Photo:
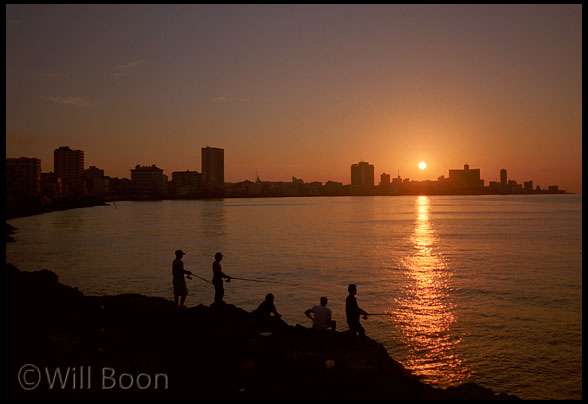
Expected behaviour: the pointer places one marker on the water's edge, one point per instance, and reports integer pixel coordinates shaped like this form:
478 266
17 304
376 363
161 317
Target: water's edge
59 326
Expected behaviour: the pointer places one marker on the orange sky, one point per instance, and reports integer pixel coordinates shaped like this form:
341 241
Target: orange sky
300 90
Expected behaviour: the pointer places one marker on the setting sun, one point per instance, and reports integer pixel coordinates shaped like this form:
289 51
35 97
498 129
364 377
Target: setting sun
422 165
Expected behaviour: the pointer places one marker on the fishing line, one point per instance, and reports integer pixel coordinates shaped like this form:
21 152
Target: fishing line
264 281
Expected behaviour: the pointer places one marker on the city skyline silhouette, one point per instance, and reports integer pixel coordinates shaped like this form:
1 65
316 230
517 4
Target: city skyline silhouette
303 90
30 190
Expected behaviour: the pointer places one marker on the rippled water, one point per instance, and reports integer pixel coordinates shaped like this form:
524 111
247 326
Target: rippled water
477 288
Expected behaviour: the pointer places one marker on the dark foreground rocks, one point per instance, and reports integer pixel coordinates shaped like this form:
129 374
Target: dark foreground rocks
9 230
61 344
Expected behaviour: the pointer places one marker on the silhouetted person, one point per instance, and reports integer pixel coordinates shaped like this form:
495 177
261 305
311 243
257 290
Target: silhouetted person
267 307
353 311
263 314
217 278
322 316
178 272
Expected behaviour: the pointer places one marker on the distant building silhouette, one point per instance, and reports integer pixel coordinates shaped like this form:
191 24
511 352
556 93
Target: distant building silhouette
528 187
68 165
95 184
213 170
185 183
362 177
334 188
495 187
513 187
503 180
119 188
466 180
51 187
148 182
23 178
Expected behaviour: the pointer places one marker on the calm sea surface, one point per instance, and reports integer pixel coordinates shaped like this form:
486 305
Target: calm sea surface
479 288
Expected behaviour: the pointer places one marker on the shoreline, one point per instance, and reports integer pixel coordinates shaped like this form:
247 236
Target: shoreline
217 351
14 213
26 211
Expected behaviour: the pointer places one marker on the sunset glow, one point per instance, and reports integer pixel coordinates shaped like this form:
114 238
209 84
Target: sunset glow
425 310
429 154
300 90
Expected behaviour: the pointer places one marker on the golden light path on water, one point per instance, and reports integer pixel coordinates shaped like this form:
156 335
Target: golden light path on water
424 310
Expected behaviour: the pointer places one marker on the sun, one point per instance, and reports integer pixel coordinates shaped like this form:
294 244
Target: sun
422 165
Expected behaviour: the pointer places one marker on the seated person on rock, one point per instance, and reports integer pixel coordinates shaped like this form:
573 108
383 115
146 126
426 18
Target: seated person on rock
263 314
322 316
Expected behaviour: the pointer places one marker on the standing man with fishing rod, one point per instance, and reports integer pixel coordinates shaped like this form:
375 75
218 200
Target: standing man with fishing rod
353 311
179 283
217 278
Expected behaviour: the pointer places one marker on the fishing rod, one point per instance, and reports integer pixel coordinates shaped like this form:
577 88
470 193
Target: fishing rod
260 280
242 279
379 314
199 277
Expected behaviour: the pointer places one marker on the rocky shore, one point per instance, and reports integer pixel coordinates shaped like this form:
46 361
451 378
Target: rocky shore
61 344
9 230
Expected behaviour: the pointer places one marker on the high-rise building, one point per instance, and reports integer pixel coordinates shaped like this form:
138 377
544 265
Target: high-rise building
68 165
23 178
503 180
362 178
362 174
213 169
466 179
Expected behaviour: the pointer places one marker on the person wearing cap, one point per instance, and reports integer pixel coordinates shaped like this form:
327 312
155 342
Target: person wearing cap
178 272
217 278
353 312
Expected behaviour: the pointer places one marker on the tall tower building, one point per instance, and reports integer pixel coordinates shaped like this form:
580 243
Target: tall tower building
362 178
362 174
503 180
213 169
68 165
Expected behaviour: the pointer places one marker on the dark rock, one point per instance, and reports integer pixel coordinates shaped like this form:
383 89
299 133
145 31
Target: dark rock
9 230
204 352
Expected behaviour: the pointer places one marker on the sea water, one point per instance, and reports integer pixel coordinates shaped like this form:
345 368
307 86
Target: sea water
473 288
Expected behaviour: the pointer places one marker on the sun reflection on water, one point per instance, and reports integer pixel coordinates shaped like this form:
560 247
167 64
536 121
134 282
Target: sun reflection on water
424 312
